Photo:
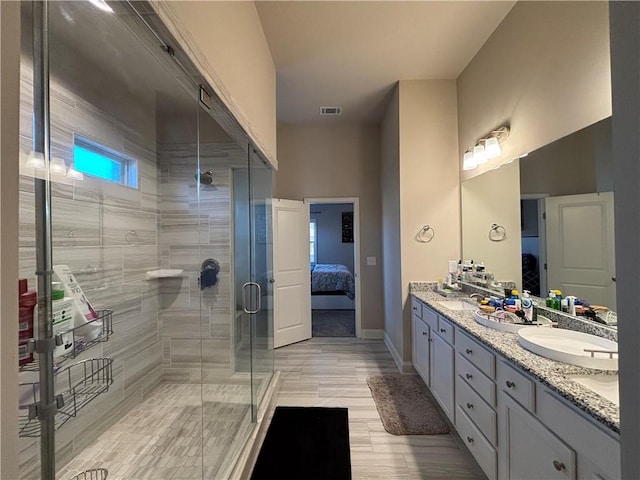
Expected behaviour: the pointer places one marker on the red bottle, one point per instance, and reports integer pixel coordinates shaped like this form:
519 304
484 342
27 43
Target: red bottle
26 304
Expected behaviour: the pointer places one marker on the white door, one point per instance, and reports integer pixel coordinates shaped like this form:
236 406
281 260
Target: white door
291 273
580 247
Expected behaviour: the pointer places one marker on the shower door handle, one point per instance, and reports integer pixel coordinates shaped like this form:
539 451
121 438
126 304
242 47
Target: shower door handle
245 288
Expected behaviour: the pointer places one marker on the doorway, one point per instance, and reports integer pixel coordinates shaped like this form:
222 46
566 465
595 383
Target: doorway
334 262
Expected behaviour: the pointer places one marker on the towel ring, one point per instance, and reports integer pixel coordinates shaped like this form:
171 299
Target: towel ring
426 234
497 233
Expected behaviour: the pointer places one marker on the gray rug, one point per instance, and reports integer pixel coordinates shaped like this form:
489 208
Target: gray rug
404 405
333 323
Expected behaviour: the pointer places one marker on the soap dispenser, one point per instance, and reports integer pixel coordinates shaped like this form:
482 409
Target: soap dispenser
527 306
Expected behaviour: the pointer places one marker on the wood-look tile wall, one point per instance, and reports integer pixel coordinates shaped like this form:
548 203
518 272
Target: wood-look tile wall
93 221
195 225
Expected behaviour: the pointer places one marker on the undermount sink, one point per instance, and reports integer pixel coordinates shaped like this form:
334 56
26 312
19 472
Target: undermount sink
457 305
604 385
509 323
569 346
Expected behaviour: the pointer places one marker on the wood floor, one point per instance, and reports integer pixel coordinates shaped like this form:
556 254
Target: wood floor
332 372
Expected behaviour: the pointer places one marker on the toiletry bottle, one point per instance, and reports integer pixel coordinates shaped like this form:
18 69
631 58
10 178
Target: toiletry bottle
557 299
549 299
515 296
27 301
571 301
527 306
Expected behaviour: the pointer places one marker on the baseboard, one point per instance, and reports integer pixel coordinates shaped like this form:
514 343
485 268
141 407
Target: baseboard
249 455
373 333
404 367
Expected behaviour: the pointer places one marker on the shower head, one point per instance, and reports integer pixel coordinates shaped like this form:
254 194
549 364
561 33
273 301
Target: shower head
205 178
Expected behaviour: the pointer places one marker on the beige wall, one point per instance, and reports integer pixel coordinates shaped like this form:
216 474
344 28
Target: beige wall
9 115
487 199
225 39
545 71
390 184
339 161
429 185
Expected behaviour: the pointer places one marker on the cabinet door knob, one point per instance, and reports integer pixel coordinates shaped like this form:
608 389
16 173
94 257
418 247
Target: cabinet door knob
469 376
559 466
510 384
469 405
469 351
415 308
470 439
424 333
443 330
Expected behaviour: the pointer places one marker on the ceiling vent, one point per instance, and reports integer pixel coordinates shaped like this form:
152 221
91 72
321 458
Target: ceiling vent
330 110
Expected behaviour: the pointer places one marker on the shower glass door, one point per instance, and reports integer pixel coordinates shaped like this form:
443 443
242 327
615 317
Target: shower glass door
262 358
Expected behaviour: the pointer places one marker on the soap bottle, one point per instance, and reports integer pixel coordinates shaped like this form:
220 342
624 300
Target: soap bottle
557 300
516 298
549 300
527 305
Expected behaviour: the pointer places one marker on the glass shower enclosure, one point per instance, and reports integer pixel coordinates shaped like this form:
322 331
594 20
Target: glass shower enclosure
145 250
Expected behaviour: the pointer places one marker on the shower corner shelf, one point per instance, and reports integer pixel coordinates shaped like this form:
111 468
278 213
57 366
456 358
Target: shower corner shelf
79 383
164 273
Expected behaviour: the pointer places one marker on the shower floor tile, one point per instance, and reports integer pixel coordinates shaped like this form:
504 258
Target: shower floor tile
179 432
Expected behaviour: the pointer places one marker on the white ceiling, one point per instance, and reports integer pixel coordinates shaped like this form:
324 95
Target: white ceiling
351 53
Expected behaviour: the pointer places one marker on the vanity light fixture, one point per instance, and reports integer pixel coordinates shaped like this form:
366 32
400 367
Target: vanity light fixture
486 148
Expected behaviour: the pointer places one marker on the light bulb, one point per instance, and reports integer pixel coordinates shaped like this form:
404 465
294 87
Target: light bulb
479 154
74 174
57 166
492 147
35 160
102 5
469 162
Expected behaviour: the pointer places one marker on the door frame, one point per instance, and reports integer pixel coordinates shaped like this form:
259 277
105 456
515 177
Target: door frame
542 237
356 247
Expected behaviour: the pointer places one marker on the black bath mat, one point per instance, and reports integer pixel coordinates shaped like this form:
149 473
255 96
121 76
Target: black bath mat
305 442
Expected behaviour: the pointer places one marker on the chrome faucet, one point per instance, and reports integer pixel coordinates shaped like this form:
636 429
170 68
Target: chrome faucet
479 296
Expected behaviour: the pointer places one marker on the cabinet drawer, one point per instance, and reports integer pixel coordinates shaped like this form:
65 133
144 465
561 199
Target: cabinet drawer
481 449
416 307
517 385
587 438
476 354
430 317
445 330
478 381
482 415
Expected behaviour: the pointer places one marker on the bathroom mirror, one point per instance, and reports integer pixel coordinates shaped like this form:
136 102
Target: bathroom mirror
555 210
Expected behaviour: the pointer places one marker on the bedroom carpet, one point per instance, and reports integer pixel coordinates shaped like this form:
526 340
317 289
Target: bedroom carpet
333 323
404 405
305 443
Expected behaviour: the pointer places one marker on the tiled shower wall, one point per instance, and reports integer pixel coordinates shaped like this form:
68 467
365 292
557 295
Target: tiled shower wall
195 225
107 234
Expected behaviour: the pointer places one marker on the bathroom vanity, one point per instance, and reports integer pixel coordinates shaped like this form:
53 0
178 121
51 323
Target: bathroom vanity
520 415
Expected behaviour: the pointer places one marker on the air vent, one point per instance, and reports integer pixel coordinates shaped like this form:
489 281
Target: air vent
330 110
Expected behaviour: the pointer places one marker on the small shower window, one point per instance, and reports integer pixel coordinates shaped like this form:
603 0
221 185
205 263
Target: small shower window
96 160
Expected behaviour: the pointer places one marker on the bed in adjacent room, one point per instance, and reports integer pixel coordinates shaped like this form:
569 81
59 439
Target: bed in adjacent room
332 279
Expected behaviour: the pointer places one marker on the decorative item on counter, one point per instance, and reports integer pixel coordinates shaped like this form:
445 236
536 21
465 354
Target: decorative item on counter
209 273
83 312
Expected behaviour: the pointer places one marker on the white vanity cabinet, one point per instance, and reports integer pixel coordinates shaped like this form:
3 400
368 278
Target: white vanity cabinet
421 343
475 398
442 375
529 450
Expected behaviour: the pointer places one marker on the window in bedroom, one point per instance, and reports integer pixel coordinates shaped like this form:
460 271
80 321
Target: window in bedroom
313 241
102 162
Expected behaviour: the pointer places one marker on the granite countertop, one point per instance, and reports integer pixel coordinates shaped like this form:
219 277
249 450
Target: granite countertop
556 375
